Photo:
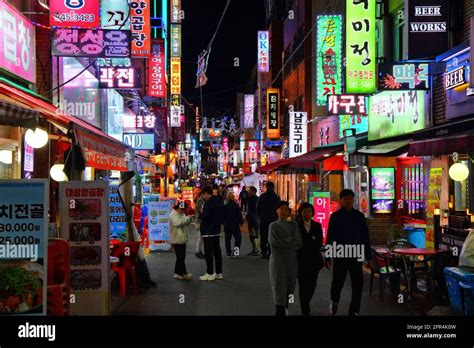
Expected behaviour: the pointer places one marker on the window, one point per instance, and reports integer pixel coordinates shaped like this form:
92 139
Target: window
399 42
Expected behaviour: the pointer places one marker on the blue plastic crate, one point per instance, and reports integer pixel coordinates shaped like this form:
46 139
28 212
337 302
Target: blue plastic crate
454 276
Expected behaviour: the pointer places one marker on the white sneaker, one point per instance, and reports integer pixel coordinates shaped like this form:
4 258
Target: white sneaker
219 276
177 276
208 277
188 276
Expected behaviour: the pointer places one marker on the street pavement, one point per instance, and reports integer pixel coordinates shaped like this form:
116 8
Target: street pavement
244 291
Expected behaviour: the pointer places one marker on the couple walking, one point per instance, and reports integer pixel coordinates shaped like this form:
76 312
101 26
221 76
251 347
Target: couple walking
296 254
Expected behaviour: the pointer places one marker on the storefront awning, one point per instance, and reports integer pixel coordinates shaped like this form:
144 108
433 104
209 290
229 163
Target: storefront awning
16 116
393 148
335 163
308 160
462 143
272 166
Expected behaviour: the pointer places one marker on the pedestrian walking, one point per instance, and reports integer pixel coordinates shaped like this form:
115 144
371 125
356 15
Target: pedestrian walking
243 198
347 226
179 236
252 220
285 241
310 259
212 219
199 208
232 222
266 209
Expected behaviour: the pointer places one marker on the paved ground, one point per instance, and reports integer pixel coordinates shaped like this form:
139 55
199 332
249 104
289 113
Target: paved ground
245 290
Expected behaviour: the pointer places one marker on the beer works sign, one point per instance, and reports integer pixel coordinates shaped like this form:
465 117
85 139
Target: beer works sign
427 29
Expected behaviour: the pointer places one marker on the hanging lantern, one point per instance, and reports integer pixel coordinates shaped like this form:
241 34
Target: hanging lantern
57 173
458 171
37 138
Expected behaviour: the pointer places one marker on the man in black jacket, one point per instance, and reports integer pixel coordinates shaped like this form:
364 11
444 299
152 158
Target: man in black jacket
211 221
252 220
348 244
266 210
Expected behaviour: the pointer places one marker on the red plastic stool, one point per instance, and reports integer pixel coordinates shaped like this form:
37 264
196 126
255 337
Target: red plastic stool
59 272
127 253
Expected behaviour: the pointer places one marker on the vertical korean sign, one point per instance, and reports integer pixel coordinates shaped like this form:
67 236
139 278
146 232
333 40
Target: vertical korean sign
273 113
156 72
360 46
249 107
141 27
263 51
328 71
118 222
322 202
298 133
85 224
17 43
23 246
175 75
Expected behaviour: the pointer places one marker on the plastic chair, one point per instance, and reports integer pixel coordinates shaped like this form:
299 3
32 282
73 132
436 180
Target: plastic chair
127 253
381 266
59 273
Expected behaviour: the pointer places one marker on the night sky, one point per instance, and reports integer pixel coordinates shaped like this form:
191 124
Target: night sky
237 37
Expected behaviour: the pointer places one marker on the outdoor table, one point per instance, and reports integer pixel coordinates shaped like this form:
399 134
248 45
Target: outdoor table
411 254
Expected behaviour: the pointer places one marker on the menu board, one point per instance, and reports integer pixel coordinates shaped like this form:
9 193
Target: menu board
23 246
159 220
85 224
117 216
383 189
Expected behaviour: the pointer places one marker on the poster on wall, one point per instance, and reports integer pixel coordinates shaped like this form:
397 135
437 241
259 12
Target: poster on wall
23 246
329 58
433 199
74 13
85 224
382 190
394 113
118 219
427 24
361 55
322 212
159 220
17 43
298 133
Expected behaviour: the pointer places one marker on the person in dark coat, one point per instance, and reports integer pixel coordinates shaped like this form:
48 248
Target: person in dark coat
285 240
310 259
347 227
252 220
243 198
232 221
211 221
266 209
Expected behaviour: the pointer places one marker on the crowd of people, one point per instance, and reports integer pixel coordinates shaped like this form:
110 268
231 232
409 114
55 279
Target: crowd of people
294 248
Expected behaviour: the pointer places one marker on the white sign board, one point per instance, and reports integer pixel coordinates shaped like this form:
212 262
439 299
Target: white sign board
298 133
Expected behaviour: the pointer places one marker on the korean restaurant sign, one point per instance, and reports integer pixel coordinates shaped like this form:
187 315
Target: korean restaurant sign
426 27
403 76
357 122
347 104
95 43
263 51
74 13
253 152
175 11
394 113
24 208
360 46
175 116
139 121
175 40
175 75
456 82
156 73
273 113
100 153
298 133
119 78
322 203
115 14
85 224
329 57
249 108
141 28
17 43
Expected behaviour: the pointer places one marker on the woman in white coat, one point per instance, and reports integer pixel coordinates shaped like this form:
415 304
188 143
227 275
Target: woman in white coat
178 238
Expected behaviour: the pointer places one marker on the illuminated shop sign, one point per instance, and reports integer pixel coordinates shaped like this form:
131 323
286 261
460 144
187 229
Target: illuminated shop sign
74 13
273 113
119 78
263 51
347 104
156 73
139 121
140 141
383 189
140 27
298 133
115 14
406 76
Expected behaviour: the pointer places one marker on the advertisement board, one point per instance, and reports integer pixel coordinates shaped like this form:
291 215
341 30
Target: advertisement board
403 76
74 13
298 133
117 216
140 141
382 189
322 203
159 220
115 14
140 27
156 73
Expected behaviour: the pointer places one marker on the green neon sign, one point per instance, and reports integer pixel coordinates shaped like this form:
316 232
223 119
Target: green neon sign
361 53
328 63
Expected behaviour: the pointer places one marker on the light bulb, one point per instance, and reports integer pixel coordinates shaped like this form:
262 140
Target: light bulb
57 173
37 138
458 171
6 157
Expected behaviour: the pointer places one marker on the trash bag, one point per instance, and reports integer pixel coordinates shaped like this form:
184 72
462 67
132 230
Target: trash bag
466 258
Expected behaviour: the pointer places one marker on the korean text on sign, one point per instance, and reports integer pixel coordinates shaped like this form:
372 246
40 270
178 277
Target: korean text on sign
140 27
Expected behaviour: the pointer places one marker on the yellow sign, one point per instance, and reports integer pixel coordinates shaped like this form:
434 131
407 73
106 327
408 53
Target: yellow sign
175 75
273 113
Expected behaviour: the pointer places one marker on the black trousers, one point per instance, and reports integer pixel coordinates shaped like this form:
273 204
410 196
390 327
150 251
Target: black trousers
212 251
264 238
307 285
235 232
340 269
243 206
180 266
